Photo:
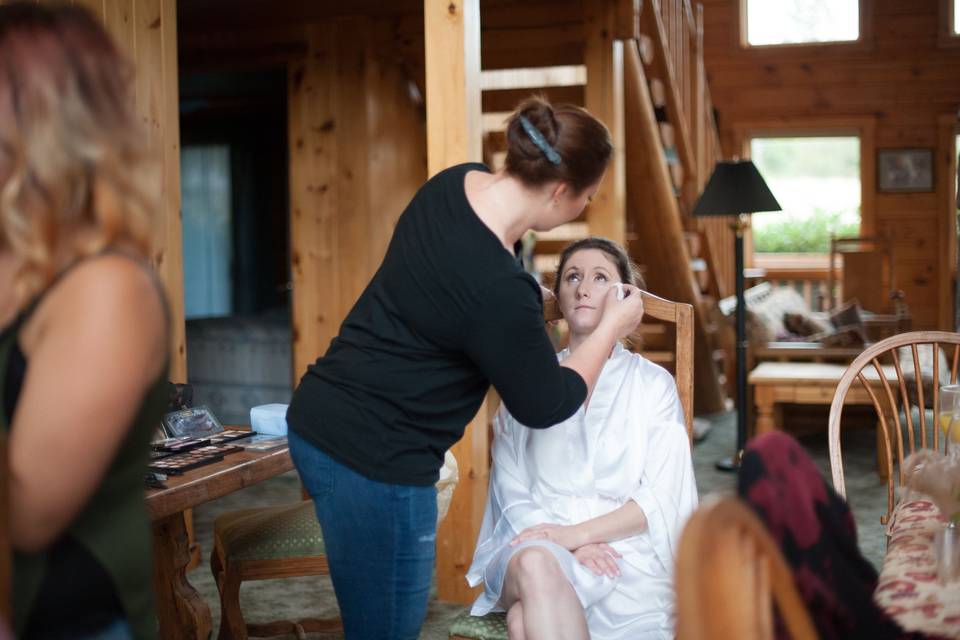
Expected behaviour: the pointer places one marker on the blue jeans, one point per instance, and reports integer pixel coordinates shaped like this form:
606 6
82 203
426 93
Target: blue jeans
381 544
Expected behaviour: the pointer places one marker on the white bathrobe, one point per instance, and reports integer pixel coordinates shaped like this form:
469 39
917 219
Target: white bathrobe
629 444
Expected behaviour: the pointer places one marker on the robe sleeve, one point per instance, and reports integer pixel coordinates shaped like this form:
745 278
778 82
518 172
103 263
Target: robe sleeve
668 491
510 479
510 505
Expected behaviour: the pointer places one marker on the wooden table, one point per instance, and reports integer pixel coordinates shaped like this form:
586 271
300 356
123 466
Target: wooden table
775 383
180 609
804 351
908 588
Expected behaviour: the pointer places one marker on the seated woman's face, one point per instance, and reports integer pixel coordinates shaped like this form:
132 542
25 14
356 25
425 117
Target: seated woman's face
586 277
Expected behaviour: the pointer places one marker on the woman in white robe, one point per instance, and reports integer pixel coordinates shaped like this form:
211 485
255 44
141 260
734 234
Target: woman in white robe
583 518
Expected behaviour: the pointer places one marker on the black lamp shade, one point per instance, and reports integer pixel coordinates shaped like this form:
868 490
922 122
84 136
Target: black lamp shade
735 187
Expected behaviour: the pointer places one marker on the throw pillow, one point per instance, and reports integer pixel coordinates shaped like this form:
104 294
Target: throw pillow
804 324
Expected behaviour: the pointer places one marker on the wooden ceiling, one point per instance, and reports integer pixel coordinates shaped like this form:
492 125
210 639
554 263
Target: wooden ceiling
232 34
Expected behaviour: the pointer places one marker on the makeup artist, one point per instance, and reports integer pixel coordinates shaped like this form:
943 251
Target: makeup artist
83 350
449 312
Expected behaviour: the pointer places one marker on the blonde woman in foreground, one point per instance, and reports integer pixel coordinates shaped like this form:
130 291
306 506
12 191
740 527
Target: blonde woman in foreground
83 348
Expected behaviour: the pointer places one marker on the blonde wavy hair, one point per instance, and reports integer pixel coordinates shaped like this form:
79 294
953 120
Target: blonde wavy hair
76 176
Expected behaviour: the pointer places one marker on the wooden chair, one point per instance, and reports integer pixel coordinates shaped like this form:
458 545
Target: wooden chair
493 626
260 544
677 313
730 574
895 407
864 258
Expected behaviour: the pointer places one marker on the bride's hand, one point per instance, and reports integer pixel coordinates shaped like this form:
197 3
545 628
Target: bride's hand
568 537
600 558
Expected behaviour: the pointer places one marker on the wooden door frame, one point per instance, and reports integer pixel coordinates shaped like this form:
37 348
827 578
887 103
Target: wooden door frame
948 128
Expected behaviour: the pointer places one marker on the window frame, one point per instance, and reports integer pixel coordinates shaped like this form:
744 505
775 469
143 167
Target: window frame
797 127
862 43
947 38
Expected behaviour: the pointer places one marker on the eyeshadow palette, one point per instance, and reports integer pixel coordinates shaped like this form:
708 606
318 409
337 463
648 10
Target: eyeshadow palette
221 449
179 445
183 462
229 436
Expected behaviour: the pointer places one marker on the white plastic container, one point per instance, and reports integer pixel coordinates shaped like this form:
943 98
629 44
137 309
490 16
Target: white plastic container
269 419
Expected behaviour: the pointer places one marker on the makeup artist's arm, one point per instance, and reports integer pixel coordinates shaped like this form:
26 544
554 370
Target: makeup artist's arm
93 347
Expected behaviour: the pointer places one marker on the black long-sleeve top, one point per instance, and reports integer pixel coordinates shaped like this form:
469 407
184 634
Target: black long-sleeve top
449 312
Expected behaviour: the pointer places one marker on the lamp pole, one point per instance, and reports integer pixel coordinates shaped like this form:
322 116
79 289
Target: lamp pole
733 463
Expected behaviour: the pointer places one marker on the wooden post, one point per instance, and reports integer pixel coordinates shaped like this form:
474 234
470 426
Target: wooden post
146 32
452 50
606 215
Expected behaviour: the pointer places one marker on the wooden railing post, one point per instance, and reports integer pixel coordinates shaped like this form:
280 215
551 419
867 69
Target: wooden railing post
606 215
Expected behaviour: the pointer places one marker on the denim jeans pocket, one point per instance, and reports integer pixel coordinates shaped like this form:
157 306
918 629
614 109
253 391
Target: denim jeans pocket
315 467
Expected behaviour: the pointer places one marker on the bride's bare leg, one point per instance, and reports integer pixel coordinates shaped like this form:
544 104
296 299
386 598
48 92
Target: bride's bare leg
550 609
515 622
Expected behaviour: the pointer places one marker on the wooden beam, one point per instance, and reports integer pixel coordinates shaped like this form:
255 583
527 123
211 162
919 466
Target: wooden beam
948 127
454 135
661 238
606 215
508 99
146 32
627 20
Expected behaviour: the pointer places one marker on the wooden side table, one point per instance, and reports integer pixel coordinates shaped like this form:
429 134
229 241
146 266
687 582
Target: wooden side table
813 383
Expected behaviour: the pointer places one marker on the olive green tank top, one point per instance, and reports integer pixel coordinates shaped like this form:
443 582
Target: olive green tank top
113 527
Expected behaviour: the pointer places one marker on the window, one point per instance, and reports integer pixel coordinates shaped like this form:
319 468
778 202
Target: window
956 17
816 180
207 230
772 22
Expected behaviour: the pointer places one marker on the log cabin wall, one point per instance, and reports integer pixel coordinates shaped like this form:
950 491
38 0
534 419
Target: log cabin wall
357 156
146 32
904 77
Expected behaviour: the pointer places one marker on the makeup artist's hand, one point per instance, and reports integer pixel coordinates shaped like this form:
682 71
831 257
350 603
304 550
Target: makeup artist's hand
600 558
624 315
568 537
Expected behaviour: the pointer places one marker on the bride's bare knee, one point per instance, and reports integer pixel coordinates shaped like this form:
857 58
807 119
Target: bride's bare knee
537 569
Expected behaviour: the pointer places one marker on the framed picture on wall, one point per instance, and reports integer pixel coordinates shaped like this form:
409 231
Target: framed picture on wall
905 170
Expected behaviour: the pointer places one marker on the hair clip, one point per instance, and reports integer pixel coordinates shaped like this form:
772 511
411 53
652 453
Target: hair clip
540 141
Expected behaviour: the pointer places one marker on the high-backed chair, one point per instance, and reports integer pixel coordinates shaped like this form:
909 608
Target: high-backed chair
677 313
729 577
493 626
888 373
868 272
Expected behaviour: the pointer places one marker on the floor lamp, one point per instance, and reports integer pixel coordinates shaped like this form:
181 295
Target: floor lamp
736 188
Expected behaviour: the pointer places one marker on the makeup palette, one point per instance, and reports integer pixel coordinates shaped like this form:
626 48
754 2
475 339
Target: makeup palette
229 435
179 445
183 462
